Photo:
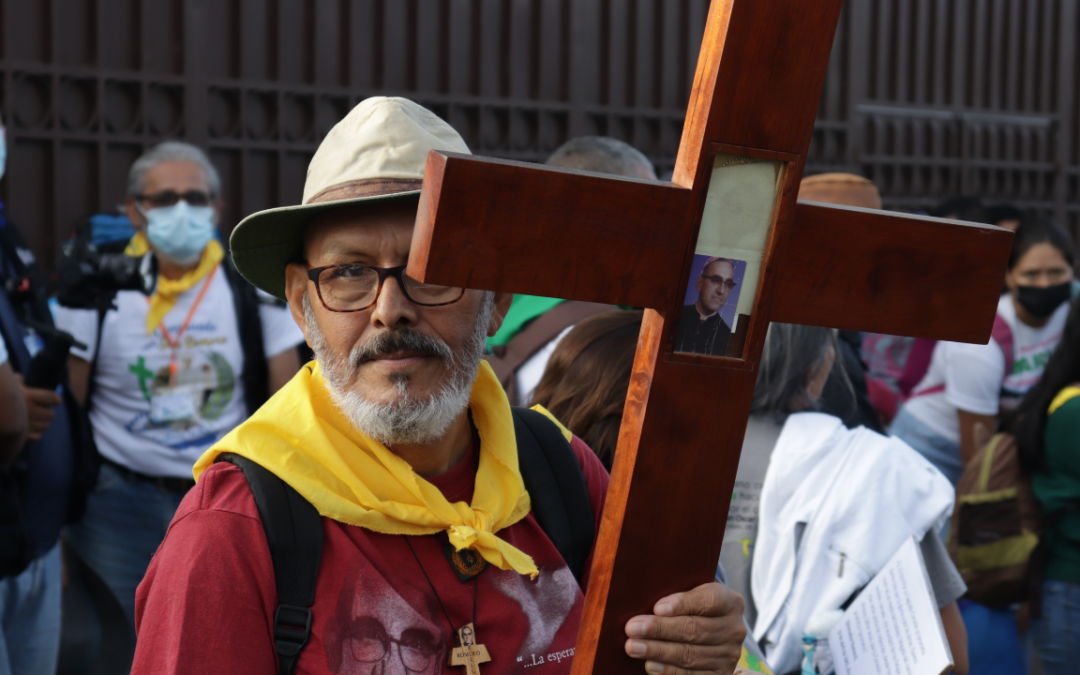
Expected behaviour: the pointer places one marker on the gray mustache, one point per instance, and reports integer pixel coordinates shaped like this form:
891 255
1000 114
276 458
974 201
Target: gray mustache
401 340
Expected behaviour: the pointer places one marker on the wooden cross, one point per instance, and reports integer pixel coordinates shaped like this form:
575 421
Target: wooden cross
469 654
509 226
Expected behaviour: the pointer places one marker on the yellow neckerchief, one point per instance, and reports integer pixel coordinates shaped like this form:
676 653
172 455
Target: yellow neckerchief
300 436
1065 395
164 297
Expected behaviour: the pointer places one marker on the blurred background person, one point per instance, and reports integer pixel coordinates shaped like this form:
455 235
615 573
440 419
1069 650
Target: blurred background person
164 377
851 389
961 207
968 387
588 375
1046 426
534 325
888 488
969 384
46 463
1004 215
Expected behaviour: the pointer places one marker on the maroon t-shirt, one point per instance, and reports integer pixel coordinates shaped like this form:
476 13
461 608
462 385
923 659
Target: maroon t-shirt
207 602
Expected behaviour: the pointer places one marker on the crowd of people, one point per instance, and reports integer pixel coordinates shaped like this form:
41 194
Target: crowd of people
288 455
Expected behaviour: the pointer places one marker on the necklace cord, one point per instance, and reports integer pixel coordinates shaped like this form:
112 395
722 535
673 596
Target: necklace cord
476 584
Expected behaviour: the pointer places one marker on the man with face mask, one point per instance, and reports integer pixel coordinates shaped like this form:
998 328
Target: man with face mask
167 375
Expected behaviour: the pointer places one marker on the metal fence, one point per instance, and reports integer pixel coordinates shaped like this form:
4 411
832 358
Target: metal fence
929 98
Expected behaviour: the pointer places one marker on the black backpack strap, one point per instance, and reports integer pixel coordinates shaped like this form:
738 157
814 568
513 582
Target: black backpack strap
556 486
295 536
256 373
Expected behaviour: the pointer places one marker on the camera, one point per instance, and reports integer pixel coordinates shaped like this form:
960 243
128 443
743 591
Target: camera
89 279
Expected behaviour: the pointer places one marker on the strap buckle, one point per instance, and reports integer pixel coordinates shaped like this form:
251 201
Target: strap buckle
289 637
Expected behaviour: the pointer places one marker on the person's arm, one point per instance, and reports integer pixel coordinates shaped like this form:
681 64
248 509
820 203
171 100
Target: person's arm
973 377
948 586
971 438
13 417
956 634
79 376
83 325
206 602
282 368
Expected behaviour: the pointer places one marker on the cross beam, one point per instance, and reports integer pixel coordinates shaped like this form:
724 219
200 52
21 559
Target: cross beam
506 226
840 266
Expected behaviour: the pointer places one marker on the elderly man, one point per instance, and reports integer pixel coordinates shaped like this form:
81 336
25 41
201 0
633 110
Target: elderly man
701 328
167 376
403 440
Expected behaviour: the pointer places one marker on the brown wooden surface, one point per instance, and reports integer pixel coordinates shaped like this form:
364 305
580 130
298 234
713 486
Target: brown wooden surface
562 228
510 227
757 85
890 273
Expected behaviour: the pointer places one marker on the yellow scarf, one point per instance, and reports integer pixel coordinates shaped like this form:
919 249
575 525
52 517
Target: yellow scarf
164 297
301 436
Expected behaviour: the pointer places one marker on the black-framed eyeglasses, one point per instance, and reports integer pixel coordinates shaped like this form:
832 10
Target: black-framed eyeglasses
167 198
720 281
353 288
373 645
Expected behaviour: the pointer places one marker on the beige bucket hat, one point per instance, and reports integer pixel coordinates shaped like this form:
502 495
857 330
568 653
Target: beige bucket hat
377 152
840 188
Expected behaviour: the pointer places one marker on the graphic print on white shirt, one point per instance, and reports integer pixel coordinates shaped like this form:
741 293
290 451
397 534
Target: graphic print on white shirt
140 421
974 375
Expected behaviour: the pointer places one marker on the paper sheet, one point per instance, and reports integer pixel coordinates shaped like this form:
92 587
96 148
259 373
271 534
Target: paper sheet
893 627
737 216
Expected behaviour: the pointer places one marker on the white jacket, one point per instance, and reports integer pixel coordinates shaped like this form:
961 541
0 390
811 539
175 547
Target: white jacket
835 507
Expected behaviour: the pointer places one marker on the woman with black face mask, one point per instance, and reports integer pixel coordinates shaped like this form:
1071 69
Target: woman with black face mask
968 386
971 385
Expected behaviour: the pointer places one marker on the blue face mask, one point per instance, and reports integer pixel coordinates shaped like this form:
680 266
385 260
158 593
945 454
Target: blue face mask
180 232
3 152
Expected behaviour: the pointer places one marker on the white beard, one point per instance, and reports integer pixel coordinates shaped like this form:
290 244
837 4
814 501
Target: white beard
408 420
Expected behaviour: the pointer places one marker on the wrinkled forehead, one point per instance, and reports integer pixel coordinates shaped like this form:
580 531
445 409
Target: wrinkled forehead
721 267
361 231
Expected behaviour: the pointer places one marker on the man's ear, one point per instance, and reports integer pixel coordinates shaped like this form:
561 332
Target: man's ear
502 306
134 215
296 286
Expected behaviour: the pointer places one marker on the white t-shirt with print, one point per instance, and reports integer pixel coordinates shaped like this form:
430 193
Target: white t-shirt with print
974 375
138 421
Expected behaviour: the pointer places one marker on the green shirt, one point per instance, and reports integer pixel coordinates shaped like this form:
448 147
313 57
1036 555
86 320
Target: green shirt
1056 483
524 309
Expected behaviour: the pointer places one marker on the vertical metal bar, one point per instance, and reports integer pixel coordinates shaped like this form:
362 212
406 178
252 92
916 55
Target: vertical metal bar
902 57
585 49
195 89
1029 84
48 242
925 70
1068 24
100 103
858 83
